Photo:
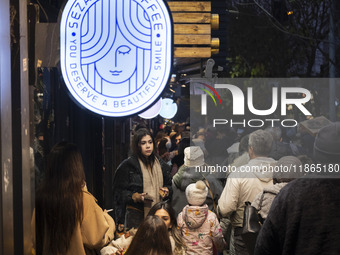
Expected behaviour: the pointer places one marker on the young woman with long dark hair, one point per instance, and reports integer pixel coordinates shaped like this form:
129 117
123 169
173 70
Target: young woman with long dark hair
67 217
140 181
151 238
167 214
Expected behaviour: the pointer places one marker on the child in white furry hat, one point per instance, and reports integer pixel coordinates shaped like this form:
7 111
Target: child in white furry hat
199 226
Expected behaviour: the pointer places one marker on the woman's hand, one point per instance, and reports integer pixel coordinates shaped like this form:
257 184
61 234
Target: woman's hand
119 252
138 197
164 192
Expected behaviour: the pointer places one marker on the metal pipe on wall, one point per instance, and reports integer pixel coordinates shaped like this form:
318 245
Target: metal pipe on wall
6 182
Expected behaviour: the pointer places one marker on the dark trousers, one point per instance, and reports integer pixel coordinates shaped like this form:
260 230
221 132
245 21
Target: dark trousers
240 246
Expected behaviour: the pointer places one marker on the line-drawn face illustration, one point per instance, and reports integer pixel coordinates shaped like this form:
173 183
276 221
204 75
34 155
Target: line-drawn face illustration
117 53
119 64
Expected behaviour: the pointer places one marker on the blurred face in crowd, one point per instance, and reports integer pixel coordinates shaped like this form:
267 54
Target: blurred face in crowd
201 137
164 215
146 145
178 139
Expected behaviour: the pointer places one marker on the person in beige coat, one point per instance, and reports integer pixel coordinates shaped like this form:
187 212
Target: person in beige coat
67 218
245 183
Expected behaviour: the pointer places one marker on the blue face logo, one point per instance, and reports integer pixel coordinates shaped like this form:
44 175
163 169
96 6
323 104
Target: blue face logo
119 64
116 54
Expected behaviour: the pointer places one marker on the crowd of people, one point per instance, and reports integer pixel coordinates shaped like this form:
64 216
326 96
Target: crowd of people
166 202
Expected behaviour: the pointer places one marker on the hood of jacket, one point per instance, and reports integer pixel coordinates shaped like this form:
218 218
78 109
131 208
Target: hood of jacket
262 168
275 189
194 216
188 177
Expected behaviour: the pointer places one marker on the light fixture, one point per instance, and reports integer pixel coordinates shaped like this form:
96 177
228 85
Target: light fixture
169 108
153 111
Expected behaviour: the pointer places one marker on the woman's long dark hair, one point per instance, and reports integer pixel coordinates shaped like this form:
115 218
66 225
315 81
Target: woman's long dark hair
179 244
152 238
59 201
136 146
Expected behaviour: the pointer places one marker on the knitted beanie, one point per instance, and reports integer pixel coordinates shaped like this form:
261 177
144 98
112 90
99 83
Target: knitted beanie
327 144
196 193
193 156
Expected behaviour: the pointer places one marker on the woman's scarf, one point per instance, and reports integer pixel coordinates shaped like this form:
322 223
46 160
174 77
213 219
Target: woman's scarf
152 182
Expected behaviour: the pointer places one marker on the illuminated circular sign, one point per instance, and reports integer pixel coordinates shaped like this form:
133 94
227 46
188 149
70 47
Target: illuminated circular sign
153 111
115 54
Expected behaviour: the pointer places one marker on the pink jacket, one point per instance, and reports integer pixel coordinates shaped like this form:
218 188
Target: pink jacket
200 230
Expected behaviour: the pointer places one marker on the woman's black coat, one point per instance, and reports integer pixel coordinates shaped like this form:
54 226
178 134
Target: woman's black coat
127 180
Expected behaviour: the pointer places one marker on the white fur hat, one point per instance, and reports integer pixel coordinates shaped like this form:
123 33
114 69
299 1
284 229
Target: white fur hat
196 193
193 156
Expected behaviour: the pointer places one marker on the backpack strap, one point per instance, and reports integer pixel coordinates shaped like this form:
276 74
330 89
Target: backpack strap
211 194
261 200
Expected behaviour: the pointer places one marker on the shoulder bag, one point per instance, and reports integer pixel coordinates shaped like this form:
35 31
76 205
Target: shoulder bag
252 223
